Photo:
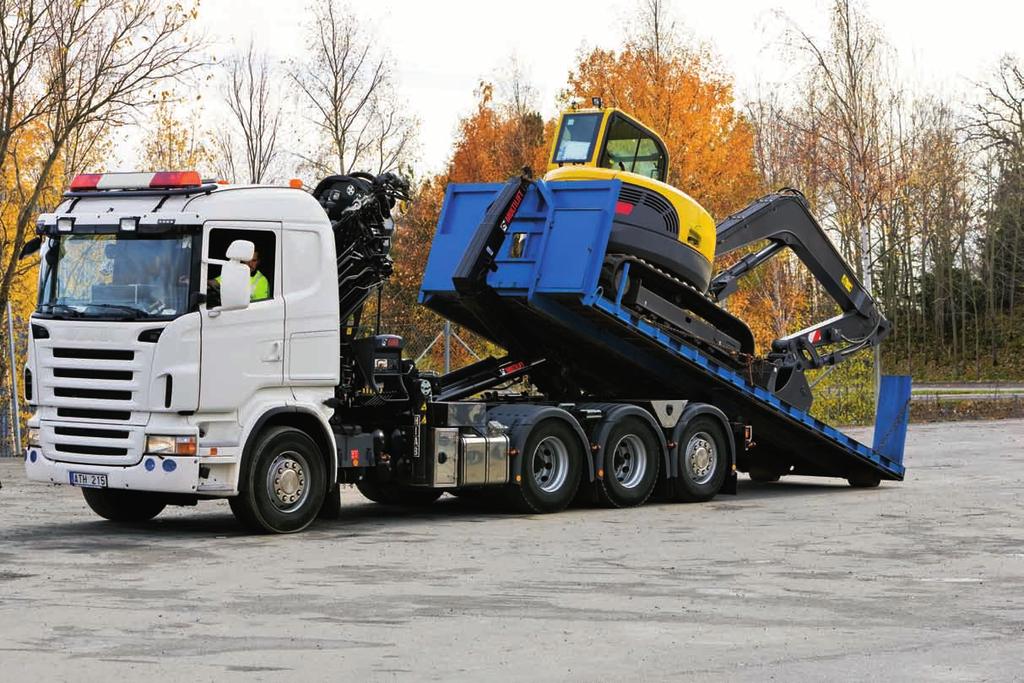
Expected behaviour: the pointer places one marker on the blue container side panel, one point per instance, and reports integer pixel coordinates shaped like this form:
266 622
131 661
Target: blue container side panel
577 237
464 207
567 226
891 416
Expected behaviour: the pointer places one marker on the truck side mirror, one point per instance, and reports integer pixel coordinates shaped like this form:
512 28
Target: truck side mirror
31 247
241 251
234 276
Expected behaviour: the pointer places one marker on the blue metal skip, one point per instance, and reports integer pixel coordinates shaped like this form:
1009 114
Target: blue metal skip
547 277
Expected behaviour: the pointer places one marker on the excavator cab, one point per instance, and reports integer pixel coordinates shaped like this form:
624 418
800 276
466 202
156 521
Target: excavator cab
654 221
626 144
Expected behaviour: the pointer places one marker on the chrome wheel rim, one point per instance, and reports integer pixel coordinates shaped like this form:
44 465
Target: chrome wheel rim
700 460
287 481
629 461
550 464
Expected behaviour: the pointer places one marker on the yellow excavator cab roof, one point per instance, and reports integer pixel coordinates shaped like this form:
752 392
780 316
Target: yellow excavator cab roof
608 138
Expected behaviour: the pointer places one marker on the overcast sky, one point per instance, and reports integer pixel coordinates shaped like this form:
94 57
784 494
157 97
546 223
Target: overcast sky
443 48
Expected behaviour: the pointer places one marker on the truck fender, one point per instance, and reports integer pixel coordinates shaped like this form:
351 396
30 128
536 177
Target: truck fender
691 411
324 438
520 419
611 413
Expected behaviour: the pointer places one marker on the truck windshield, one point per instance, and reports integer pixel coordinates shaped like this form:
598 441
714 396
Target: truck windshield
116 276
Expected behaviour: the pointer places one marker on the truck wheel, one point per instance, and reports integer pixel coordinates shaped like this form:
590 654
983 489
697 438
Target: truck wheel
282 486
763 475
549 469
390 493
630 463
864 481
123 506
703 461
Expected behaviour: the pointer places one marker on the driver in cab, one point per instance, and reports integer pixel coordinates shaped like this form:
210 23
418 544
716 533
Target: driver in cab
259 286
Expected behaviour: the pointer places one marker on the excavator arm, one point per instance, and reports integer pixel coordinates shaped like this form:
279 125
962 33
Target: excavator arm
785 220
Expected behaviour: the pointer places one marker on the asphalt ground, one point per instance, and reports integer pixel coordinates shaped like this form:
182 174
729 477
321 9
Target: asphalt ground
799 580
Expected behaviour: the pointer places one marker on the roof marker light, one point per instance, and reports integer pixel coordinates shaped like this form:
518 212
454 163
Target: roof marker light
65 224
136 181
85 181
129 223
163 179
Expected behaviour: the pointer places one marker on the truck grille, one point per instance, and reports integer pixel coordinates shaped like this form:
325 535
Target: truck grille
92 378
99 398
81 449
94 354
86 414
93 444
91 432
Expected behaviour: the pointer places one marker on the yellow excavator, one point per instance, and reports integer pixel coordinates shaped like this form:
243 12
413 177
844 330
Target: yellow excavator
670 242
653 219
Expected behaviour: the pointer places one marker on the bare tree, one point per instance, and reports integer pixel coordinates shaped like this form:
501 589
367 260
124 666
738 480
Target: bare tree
225 154
175 138
655 32
347 87
256 111
848 71
25 40
71 66
997 124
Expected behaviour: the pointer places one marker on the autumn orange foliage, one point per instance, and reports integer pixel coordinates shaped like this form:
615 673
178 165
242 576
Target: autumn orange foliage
711 144
679 95
497 140
494 142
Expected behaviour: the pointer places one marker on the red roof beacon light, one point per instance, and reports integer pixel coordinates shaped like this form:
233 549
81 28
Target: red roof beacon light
160 180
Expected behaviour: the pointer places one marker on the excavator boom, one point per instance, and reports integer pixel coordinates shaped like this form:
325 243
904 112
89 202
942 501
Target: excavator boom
785 220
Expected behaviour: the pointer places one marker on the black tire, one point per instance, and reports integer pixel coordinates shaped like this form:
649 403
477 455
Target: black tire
290 501
390 493
864 481
630 460
763 475
697 483
549 471
119 505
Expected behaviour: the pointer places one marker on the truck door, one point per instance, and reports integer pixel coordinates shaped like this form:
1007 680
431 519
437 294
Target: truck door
243 350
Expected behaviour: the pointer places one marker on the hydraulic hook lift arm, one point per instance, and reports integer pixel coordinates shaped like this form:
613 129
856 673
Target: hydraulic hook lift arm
785 220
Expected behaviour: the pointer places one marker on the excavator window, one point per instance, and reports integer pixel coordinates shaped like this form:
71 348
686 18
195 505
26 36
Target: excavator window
576 139
629 148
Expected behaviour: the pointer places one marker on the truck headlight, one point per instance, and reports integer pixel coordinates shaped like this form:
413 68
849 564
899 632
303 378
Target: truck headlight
32 435
170 445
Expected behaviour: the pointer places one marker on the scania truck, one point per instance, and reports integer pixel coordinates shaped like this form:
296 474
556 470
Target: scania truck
158 378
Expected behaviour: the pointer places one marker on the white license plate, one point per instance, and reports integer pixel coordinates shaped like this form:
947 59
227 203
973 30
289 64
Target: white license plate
92 481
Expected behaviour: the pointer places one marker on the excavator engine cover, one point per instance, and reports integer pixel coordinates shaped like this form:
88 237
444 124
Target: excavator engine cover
647 226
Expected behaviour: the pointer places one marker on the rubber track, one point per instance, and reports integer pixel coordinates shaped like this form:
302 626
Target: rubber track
698 303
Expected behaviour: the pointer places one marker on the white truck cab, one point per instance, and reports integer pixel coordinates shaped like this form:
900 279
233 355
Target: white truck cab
149 368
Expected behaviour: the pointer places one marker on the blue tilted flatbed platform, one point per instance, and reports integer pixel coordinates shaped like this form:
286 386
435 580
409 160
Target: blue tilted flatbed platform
542 299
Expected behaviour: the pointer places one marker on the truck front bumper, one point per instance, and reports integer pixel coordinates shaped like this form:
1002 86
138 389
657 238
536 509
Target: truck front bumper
167 474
